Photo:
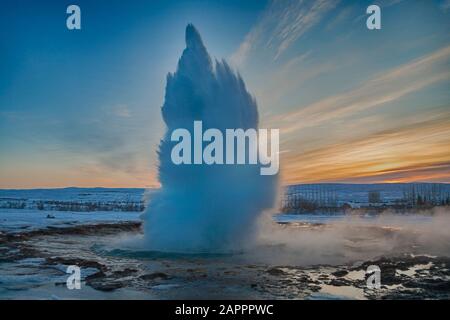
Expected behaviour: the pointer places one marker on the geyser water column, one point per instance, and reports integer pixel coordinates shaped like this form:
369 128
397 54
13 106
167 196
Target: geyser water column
205 208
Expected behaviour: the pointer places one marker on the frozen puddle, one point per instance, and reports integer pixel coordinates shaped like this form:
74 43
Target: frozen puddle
342 292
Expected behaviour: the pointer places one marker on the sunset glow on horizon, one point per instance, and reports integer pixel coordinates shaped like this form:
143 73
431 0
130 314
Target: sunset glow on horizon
83 109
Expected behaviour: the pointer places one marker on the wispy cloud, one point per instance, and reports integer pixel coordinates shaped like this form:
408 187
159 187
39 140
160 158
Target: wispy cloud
351 130
388 3
289 77
377 91
122 110
282 24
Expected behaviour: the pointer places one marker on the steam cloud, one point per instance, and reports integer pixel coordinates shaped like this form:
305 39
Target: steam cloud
205 208
353 238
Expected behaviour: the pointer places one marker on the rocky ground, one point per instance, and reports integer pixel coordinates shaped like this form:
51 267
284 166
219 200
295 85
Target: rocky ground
33 265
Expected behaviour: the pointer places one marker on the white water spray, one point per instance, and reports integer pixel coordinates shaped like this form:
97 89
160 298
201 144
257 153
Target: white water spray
202 208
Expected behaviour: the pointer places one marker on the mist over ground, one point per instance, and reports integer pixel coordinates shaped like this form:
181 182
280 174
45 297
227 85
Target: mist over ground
353 238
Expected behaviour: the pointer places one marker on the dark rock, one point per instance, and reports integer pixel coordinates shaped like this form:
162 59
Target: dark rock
125 272
276 272
76 262
106 285
155 275
340 273
340 282
95 276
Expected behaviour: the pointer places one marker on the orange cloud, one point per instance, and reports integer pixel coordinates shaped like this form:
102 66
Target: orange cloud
414 152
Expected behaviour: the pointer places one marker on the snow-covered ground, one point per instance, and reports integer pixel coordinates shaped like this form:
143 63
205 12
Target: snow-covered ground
76 199
74 206
19 220
75 194
306 258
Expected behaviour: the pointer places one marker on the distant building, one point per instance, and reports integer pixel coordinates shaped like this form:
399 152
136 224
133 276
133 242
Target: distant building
426 194
334 197
374 196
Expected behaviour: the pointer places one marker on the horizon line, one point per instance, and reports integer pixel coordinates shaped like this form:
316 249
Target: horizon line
282 185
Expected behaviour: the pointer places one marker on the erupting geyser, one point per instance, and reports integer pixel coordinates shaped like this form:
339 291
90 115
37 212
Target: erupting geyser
206 208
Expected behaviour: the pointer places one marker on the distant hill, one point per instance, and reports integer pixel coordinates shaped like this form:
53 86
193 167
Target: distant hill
76 199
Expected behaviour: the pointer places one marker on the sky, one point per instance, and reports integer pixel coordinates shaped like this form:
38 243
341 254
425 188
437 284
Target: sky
83 107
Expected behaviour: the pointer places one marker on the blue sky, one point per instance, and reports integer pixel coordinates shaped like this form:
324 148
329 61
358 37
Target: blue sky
82 108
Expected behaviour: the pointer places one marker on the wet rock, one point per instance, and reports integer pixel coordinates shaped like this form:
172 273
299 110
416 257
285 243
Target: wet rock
340 273
314 288
155 275
95 276
125 272
76 262
93 229
106 285
429 285
340 282
230 272
276 272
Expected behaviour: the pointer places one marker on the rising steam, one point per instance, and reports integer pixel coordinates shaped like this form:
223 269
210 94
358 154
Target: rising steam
206 207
